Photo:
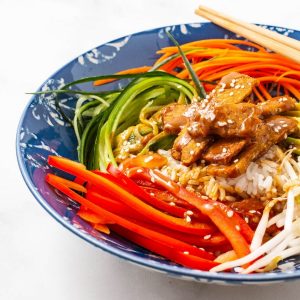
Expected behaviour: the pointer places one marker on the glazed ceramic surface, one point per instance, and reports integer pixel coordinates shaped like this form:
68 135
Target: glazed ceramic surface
42 131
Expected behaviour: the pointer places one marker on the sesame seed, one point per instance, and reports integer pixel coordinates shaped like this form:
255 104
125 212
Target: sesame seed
188 219
237 86
149 158
221 124
186 252
139 170
232 84
189 213
230 121
236 160
207 237
285 125
192 152
246 219
252 211
221 90
242 86
198 144
152 179
224 150
285 136
231 94
229 213
237 227
172 204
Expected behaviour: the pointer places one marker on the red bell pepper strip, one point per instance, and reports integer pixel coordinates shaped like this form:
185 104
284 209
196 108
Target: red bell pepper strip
150 161
165 240
127 198
182 258
171 199
71 184
122 210
102 228
118 177
92 217
229 226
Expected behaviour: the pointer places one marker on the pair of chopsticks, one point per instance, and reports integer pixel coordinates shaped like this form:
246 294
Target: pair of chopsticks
274 41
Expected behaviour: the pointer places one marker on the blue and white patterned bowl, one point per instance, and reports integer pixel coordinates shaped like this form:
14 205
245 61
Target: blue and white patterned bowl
42 132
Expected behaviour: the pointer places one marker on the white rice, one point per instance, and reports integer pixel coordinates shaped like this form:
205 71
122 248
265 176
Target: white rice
263 178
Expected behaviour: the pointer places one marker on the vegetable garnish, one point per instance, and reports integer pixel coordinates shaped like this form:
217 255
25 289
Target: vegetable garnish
194 159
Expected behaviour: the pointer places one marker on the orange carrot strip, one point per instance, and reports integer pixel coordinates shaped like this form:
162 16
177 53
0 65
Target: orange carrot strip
292 89
258 95
264 92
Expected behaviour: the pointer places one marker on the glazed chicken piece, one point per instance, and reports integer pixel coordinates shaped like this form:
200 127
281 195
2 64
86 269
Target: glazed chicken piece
233 88
276 105
272 131
227 120
223 114
224 150
188 149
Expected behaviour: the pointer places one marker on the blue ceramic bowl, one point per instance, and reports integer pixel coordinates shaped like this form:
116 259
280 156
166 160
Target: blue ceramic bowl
42 131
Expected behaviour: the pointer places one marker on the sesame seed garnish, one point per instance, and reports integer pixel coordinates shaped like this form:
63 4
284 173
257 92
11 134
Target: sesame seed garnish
221 90
172 204
237 227
242 86
229 121
285 125
231 94
236 160
232 84
230 213
246 219
149 158
221 124
198 144
224 150
139 170
188 219
237 86
152 179
207 237
252 211
192 152
189 213
186 252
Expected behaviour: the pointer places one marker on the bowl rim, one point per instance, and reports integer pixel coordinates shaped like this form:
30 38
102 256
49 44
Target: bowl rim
176 270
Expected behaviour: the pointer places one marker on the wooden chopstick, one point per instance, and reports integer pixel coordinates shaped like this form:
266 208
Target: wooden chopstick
276 42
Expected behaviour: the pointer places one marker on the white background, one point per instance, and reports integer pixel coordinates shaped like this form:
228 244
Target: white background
39 259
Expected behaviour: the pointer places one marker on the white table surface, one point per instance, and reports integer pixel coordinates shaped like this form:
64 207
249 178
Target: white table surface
39 259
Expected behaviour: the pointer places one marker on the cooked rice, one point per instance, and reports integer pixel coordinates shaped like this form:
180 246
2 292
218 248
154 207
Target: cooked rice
263 179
